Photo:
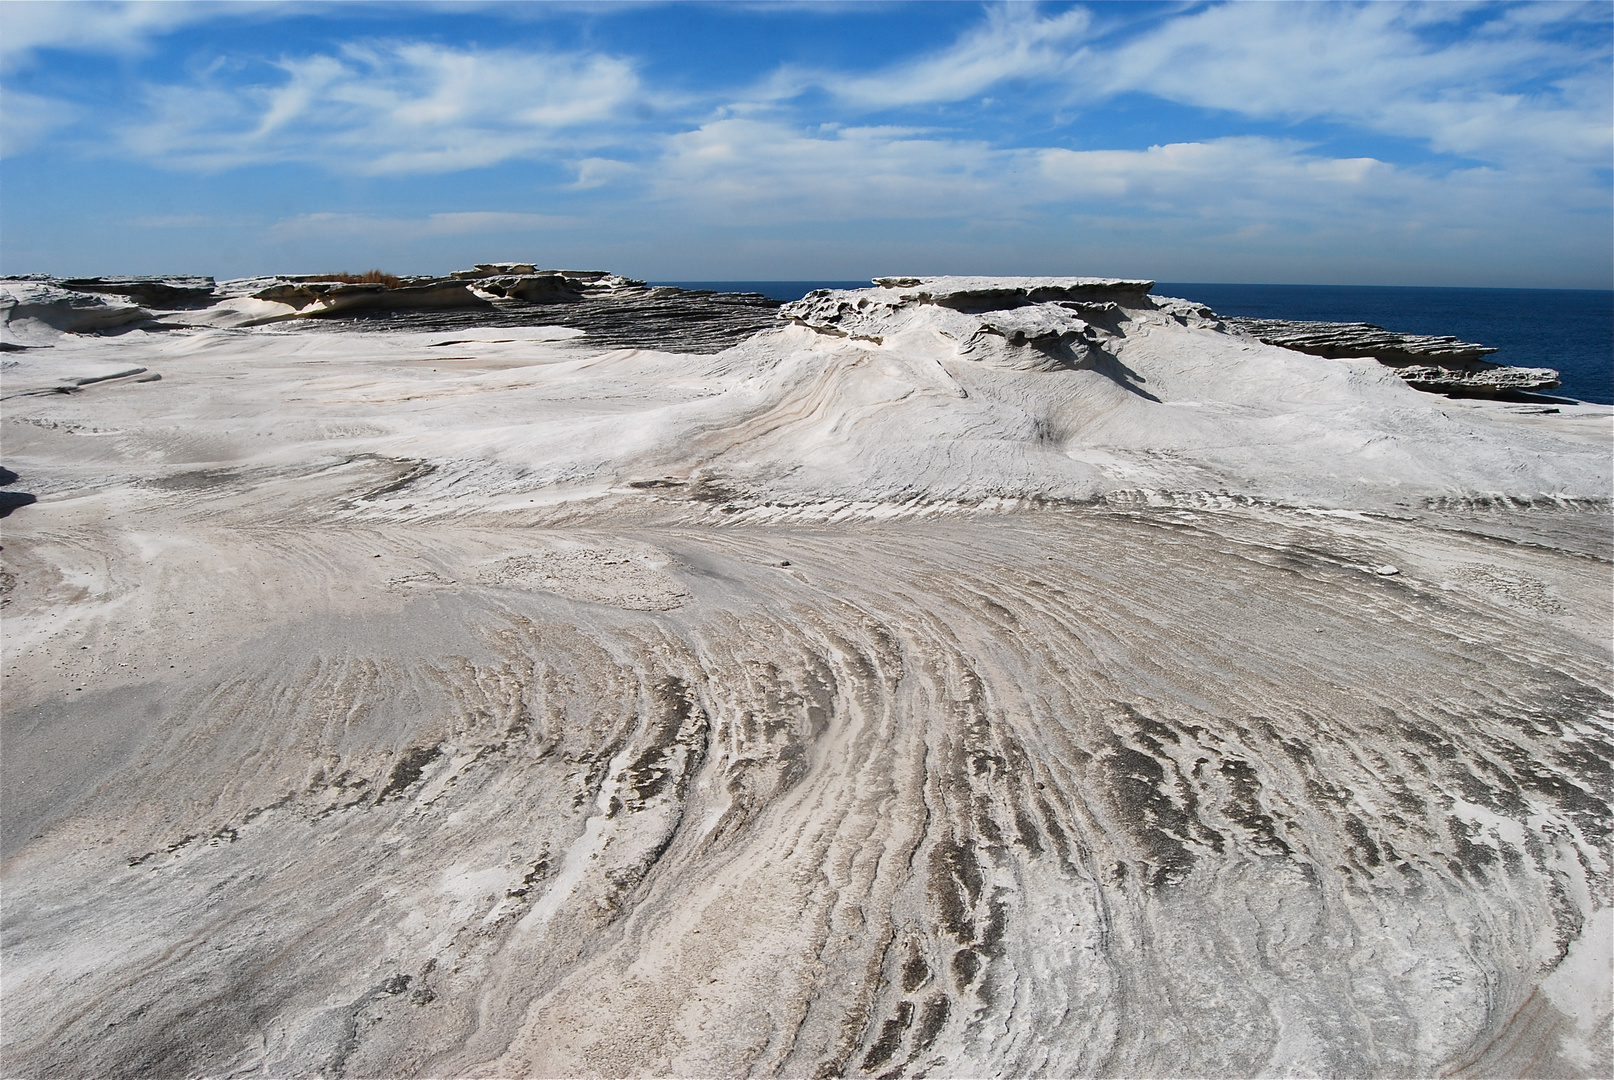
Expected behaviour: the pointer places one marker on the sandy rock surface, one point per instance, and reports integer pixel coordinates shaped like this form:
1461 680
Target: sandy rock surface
925 701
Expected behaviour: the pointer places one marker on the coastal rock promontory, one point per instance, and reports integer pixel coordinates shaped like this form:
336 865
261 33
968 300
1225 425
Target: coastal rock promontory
1438 364
953 677
1060 318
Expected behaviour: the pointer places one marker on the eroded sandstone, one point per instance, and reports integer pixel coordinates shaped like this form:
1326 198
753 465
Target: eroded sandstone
480 698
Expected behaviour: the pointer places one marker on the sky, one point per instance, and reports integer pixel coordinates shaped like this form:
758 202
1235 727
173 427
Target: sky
1450 144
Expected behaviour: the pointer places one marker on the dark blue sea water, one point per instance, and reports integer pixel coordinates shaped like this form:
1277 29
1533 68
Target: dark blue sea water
1568 329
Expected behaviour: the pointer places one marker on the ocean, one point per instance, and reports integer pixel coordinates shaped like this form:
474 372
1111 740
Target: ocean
1571 330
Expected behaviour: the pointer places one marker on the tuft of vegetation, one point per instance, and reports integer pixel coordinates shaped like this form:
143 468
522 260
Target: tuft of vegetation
369 277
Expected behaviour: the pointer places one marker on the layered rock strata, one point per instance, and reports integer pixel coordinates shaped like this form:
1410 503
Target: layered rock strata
611 309
618 315
625 312
1442 365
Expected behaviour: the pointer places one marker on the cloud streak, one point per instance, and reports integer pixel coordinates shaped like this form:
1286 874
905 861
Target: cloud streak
1507 90
462 223
390 109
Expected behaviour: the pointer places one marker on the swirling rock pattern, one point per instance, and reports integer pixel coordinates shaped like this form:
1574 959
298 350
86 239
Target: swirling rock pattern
324 760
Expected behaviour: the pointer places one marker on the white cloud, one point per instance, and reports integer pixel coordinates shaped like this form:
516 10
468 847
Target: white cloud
403 108
743 170
1241 177
1447 75
466 223
1253 200
186 221
26 26
596 172
1390 68
1013 43
25 120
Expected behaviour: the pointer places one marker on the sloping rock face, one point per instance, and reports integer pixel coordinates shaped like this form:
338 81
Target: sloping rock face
66 310
492 703
1438 364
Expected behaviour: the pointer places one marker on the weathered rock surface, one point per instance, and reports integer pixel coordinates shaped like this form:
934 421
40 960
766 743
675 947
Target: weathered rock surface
1043 310
1063 319
619 313
42 304
168 293
523 281
1024 322
611 309
501 702
326 298
1436 364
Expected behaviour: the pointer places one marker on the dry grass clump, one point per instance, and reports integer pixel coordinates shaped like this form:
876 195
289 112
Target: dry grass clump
369 277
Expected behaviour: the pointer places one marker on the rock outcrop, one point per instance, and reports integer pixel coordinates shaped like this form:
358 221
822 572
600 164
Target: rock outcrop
168 293
523 281
1024 322
1438 364
71 311
1018 309
1020 322
324 298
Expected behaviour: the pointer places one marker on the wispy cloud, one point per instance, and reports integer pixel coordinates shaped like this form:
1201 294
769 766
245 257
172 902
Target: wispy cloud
407 107
28 26
1240 178
745 171
742 170
188 221
1498 83
26 119
1014 42
464 223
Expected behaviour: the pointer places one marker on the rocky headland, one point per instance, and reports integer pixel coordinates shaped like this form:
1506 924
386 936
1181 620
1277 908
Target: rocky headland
540 673
621 310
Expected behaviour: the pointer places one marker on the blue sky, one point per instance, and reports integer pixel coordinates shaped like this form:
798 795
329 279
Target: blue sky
1445 144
